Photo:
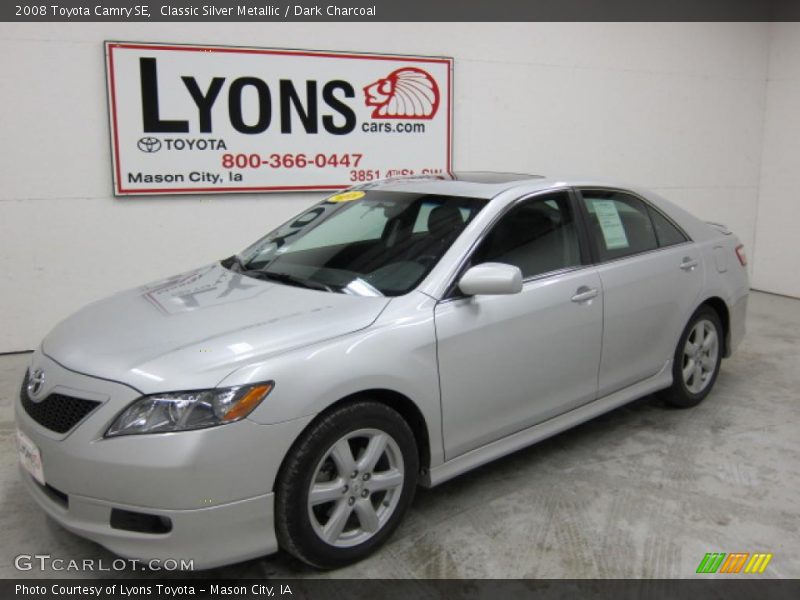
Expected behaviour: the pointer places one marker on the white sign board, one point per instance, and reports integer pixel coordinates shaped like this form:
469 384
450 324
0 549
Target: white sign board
211 119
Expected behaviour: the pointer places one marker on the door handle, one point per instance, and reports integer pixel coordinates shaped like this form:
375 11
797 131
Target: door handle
688 264
584 293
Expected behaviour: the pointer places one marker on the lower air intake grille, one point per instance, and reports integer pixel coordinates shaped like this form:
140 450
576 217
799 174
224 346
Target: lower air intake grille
57 412
129 520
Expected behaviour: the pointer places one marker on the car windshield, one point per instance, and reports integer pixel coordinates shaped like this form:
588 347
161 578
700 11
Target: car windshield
368 243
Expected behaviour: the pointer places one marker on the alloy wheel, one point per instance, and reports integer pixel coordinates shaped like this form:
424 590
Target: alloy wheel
700 356
356 487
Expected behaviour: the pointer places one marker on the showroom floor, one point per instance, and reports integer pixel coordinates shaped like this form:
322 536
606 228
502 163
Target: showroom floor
644 491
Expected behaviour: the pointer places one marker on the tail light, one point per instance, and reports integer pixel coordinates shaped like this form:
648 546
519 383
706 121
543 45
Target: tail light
741 255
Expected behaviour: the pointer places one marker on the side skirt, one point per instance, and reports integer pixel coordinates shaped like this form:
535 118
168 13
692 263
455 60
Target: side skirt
536 433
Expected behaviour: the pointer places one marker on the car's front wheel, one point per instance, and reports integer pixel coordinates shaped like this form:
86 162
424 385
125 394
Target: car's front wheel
345 484
697 360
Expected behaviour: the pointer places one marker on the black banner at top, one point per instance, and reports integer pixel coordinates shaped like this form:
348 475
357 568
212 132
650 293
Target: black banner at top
398 10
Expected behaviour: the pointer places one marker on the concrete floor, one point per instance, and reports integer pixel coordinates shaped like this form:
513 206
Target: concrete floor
644 491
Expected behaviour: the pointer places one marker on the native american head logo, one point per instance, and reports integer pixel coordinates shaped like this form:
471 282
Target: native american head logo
407 93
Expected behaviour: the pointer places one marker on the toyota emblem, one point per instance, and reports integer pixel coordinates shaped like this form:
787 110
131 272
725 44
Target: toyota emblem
35 382
149 144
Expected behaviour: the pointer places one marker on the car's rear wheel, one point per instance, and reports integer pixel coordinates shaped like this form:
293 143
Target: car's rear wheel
346 484
697 360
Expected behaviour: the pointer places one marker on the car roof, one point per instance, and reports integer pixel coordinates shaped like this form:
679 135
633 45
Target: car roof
481 184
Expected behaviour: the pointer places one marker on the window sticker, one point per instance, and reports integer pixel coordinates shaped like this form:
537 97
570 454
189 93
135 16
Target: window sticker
610 224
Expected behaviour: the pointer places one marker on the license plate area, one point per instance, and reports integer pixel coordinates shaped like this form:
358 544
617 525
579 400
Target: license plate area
29 457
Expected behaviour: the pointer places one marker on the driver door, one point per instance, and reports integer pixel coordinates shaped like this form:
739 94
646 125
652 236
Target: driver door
508 362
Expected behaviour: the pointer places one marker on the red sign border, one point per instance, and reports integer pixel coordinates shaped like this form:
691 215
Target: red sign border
110 46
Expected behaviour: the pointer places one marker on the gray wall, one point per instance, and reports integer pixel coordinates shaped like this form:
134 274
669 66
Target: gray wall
776 260
677 107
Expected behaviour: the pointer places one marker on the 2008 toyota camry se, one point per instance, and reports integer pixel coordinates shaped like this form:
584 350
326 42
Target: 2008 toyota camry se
393 335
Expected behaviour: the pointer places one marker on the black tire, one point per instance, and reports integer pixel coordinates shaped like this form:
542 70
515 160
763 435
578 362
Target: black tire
679 393
293 522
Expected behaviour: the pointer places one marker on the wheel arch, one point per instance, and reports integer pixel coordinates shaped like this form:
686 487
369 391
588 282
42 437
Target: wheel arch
401 403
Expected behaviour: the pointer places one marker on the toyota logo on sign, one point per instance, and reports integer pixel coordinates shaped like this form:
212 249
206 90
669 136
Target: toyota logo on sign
149 144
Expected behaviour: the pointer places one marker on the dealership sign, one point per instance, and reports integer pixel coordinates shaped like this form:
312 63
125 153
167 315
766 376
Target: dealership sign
204 119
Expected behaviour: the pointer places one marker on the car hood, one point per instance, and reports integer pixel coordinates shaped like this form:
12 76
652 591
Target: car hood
192 330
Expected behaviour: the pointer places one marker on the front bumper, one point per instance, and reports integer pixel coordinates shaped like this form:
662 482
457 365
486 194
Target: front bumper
209 537
213 486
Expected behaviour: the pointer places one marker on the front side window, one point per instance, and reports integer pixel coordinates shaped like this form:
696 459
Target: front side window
363 243
537 235
619 224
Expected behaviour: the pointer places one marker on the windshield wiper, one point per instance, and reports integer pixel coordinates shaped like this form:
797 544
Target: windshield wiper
287 278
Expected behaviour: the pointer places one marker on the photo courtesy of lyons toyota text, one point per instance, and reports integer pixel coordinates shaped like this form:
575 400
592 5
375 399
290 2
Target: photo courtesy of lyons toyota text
441 306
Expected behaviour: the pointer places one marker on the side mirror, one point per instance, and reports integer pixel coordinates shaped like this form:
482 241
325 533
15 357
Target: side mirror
491 278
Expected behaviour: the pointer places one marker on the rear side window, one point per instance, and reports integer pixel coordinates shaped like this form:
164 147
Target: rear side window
619 224
666 232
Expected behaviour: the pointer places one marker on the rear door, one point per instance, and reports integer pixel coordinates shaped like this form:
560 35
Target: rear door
651 274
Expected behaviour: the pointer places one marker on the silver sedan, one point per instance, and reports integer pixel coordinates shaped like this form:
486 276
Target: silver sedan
396 334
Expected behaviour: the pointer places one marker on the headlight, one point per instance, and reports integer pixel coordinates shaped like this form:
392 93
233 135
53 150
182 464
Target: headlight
181 411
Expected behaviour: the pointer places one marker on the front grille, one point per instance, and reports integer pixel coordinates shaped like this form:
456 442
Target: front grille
57 412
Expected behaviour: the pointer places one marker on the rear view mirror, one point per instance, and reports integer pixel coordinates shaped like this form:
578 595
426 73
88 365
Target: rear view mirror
491 278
